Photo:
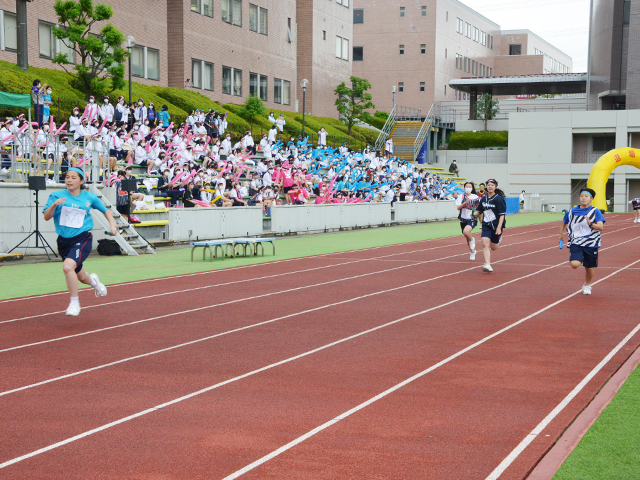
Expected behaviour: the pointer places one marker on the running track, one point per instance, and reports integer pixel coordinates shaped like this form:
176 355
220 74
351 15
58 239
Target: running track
398 362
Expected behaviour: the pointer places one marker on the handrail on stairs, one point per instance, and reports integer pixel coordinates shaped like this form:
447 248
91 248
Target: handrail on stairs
386 130
438 115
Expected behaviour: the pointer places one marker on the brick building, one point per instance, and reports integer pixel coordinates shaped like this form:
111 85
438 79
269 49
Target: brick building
418 46
225 49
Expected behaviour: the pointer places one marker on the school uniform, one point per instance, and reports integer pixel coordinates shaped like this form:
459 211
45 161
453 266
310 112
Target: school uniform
583 240
492 209
73 224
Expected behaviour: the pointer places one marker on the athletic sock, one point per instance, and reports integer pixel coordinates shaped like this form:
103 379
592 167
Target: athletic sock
94 284
74 300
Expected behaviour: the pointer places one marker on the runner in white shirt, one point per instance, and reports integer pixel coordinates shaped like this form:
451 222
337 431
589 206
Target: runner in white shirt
466 203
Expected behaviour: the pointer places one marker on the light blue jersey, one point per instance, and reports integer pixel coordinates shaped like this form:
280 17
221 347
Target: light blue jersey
73 217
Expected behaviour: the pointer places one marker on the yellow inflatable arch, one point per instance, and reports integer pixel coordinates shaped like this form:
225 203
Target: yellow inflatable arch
602 170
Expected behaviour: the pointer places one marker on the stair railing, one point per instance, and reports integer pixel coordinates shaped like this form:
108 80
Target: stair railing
386 130
438 116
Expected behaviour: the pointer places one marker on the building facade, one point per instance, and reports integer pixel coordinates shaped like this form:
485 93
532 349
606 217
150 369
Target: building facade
224 49
418 46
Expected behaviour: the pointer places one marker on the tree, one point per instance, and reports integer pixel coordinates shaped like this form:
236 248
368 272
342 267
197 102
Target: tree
486 108
253 107
352 102
100 55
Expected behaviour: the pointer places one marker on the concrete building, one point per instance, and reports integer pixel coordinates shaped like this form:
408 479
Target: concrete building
419 46
614 56
224 49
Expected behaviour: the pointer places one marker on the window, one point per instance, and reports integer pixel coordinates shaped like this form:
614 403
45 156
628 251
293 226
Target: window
358 15
474 67
423 48
258 85
604 144
9 39
467 29
232 81
459 26
324 34
342 48
289 35
447 17
488 71
515 49
401 49
466 64
481 70
402 11
257 19
483 38
458 61
400 86
203 7
46 40
232 12
422 87
490 41
358 54
445 90
202 74
281 91
145 62
445 53
344 3
627 12
423 10
476 34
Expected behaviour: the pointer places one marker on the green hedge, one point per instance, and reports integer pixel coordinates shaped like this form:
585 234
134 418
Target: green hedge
467 140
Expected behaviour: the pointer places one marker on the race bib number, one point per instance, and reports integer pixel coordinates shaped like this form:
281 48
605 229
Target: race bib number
72 217
489 216
581 229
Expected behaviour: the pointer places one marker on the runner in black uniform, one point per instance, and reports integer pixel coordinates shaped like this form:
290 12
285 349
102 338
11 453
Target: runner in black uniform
494 208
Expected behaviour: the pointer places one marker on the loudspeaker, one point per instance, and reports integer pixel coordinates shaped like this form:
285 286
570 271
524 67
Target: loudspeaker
130 185
37 183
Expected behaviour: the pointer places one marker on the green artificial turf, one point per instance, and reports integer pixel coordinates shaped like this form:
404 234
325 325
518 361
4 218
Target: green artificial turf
21 280
611 447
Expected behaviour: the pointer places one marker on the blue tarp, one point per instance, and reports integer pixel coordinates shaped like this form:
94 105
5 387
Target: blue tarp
513 205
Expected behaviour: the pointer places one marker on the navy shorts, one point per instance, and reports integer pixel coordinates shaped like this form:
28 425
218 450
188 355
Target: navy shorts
588 256
76 248
473 223
489 232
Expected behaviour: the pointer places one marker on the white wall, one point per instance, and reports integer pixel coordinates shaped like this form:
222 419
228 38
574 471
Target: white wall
409 212
213 223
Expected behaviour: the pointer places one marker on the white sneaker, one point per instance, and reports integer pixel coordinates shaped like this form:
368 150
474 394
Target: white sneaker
586 289
473 255
487 268
4 171
73 309
101 290
472 245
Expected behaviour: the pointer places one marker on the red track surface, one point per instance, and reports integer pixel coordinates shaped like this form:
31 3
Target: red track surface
459 420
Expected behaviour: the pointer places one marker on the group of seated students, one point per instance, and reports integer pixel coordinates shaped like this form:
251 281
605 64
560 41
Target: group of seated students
200 164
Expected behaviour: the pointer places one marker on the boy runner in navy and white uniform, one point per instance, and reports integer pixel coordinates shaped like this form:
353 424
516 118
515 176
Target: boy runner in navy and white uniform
70 209
466 204
493 209
584 224
635 203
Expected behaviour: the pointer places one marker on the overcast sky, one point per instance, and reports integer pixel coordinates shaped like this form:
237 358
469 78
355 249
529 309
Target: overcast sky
562 23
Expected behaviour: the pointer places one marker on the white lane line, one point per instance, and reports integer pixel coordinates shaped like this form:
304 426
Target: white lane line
254 298
291 359
554 413
246 327
346 414
244 280
256 265
256 371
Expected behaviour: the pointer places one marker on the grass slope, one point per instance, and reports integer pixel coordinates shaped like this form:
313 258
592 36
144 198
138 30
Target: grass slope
177 261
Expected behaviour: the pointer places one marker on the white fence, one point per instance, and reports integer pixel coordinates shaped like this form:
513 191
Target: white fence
192 224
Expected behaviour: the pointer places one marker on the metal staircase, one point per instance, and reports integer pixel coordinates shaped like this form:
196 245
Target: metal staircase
439 118
130 241
398 114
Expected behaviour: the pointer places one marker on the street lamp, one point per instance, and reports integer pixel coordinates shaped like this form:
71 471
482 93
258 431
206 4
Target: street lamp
393 89
131 42
304 85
